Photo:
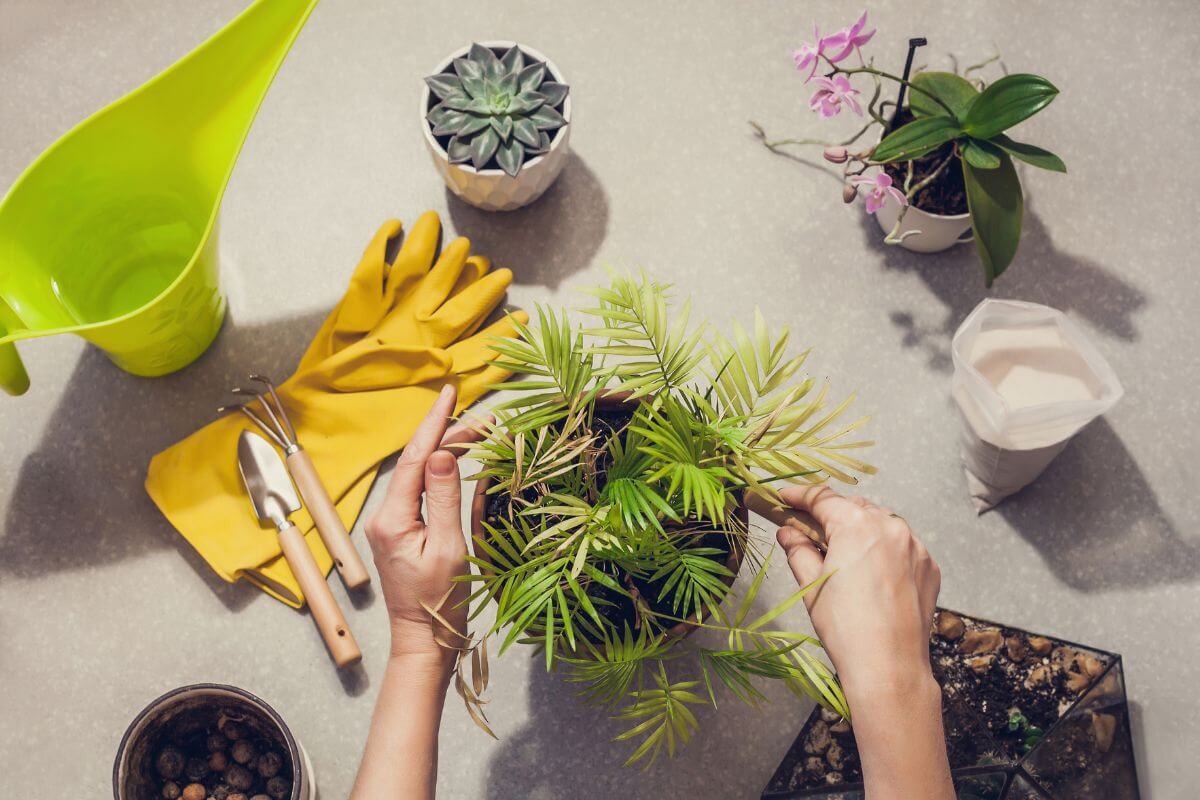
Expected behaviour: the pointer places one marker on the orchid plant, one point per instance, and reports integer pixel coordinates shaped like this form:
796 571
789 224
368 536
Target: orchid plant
951 121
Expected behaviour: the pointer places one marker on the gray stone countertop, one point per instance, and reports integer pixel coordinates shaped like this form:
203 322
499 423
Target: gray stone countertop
102 606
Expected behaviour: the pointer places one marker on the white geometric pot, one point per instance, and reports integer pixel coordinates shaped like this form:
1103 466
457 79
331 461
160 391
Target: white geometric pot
495 189
133 770
937 232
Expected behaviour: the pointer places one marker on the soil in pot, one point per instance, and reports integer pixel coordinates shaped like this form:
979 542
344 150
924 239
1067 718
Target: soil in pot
608 420
211 749
1003 689
946 195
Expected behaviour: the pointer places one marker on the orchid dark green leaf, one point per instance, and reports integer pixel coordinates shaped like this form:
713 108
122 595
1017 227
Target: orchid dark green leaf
980 154
1029 153
1008 101
997 206
953 90
915 139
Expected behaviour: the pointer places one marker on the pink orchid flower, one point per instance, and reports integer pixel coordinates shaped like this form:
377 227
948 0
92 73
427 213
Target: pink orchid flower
809 55
881 189
831 93
847 40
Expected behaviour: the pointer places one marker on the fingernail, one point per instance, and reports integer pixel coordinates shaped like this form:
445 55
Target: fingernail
441 463
447 390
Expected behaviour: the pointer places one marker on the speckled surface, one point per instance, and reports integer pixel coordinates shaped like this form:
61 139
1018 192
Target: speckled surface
102 609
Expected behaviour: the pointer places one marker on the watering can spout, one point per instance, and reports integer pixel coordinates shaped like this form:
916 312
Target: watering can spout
111 233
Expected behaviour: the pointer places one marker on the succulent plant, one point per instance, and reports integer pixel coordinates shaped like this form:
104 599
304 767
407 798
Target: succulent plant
496 107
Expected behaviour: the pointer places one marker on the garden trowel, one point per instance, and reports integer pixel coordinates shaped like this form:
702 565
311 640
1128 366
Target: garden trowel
274 498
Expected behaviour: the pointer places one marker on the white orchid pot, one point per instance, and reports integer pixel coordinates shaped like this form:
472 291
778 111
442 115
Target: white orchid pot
494 189
926 233
188 711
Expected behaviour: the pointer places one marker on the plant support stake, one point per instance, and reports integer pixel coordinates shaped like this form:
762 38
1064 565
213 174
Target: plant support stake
913 44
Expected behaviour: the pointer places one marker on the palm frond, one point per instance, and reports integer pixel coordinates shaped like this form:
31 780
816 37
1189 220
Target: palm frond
662 716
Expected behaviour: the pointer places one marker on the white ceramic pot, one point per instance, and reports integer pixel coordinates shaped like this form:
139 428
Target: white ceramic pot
494 189
196 708
937 232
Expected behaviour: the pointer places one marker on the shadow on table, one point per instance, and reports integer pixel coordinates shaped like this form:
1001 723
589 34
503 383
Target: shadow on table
547 241
1096 521
79 500
1041 273
564 749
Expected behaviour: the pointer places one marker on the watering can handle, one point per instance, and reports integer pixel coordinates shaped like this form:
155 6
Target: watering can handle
13 377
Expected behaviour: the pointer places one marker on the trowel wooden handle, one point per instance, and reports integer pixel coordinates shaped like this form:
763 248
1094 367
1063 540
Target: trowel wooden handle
329 524
324 608
787 516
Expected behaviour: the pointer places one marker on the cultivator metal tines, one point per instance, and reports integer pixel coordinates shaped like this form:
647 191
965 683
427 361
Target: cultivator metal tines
276 426
272 419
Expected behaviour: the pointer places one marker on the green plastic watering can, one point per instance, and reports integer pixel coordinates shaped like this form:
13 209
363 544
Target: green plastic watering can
111 233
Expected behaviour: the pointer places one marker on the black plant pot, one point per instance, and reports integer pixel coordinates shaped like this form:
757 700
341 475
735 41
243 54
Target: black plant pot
1085 749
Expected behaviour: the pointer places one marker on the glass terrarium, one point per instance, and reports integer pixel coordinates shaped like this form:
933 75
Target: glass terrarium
1026 716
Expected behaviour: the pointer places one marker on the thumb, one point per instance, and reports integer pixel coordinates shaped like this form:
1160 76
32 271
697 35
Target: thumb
803 557
443 497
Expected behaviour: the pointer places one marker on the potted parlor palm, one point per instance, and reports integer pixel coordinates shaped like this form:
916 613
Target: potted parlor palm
609 521
942 170
496 118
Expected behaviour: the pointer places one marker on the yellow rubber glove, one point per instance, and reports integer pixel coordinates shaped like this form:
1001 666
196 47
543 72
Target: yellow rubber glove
400 333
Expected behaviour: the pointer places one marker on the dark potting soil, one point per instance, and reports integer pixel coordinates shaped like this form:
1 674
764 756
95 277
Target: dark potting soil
986 673
946 195
618 608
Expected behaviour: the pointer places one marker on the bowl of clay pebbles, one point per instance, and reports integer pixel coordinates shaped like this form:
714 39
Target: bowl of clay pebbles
1025 715
210 742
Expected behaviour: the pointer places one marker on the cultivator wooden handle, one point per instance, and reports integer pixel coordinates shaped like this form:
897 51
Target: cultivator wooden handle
789 517
329 525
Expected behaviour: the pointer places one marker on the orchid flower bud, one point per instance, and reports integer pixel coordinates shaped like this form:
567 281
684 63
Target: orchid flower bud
836 155
849 192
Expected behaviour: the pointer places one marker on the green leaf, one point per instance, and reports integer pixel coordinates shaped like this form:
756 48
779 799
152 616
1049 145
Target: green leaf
458 150
444 85
492 68
526 132
994 198
531 77
916 139
503 126
513 59
510 157
981 154
466 68
1012 99
953 90
483 147
1030 154
547 119
555 93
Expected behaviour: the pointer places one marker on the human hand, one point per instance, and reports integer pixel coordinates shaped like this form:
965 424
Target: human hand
874 613
418 558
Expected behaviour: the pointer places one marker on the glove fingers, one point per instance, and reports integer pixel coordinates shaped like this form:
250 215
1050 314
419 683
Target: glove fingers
415 257
476 352
475 268
443 277
463 313
359 309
